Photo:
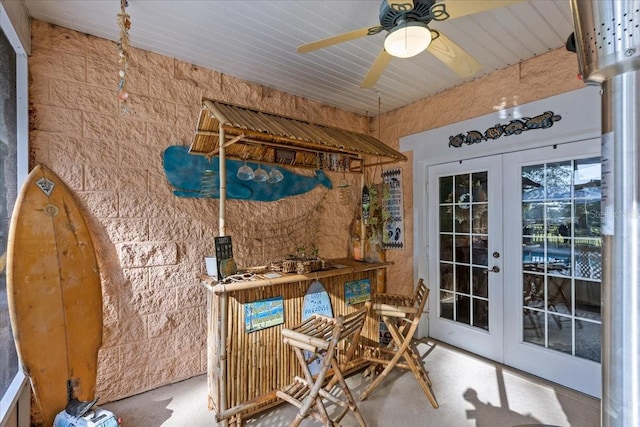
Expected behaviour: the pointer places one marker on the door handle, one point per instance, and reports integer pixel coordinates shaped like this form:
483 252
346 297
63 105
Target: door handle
494 269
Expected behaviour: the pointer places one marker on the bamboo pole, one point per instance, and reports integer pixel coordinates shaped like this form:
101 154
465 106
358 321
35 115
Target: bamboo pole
210 154
223 355
363 229
216 112
223 185
223 298
369 165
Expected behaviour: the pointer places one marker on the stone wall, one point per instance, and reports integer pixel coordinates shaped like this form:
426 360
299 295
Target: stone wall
150 243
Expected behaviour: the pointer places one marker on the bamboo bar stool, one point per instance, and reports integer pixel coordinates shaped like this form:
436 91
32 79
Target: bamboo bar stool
321 335
401 314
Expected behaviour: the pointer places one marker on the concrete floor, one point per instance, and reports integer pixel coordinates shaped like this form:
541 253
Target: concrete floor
471 392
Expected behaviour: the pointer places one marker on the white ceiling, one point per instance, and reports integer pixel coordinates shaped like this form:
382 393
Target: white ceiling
257 40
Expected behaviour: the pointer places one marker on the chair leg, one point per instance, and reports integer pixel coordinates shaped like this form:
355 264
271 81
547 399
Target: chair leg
351 402
422 377
321 335
412 360
395 337
381 376
406 351
416 356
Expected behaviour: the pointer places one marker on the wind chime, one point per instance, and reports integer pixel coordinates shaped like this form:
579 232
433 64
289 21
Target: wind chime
123 55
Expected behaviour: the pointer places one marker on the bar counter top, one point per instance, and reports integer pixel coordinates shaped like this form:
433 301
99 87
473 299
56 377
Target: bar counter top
334 267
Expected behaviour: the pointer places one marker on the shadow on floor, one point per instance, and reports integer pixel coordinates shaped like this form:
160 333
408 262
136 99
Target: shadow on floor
136 413
487 415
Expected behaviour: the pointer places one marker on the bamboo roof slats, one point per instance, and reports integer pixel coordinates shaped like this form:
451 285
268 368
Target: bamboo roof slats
260 134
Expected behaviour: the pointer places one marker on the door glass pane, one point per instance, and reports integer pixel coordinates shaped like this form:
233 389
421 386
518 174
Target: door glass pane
559 295
533 327
481 313
446 247
480 221
462 194
463 250
462 279
480 281
561 256
558 180
446 305
559 332
480 191
464 241
479 250
462 218
586 346
446 218
446 276
463 309
446 184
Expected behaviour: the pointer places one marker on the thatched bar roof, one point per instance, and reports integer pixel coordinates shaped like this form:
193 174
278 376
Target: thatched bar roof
269 138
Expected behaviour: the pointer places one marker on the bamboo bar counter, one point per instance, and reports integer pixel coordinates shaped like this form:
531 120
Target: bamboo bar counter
245 369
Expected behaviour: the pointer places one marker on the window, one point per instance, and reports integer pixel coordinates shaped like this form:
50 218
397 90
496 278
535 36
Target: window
13 170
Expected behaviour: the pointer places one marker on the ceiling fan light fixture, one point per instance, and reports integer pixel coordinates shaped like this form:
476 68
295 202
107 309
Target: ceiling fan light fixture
407 39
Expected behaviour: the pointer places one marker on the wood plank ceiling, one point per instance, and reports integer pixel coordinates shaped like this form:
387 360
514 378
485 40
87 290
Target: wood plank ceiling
257 40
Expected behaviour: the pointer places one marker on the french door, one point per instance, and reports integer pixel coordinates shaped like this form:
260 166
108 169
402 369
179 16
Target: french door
465 205
515 256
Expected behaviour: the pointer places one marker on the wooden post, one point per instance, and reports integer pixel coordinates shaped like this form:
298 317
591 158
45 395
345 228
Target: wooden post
223 182
223 355
363 229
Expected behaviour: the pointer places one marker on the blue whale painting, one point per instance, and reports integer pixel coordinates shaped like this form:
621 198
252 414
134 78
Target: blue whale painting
184 173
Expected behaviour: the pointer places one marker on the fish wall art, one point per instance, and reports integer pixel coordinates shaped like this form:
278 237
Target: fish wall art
515 127
196 176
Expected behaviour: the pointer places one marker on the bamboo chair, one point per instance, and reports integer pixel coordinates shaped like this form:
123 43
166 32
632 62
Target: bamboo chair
321 335
401 314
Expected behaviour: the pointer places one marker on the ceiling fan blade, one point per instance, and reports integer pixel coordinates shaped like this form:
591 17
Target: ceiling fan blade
458 8
454 57
376 70
401 5
356 34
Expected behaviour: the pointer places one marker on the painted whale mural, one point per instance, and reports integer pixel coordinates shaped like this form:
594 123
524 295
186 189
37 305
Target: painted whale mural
184 173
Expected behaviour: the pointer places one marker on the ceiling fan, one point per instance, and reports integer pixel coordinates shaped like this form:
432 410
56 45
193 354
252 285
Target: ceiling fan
407 24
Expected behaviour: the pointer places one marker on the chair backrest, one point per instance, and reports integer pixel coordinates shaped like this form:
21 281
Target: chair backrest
345 329
353 322
420 297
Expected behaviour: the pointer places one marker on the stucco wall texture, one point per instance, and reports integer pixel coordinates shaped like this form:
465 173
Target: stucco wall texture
151 244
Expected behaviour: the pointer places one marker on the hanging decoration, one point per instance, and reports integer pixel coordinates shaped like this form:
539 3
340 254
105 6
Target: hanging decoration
393 237
123 55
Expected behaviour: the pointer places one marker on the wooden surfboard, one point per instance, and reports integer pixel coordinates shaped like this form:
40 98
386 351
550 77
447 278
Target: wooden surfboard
316 300
54 293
